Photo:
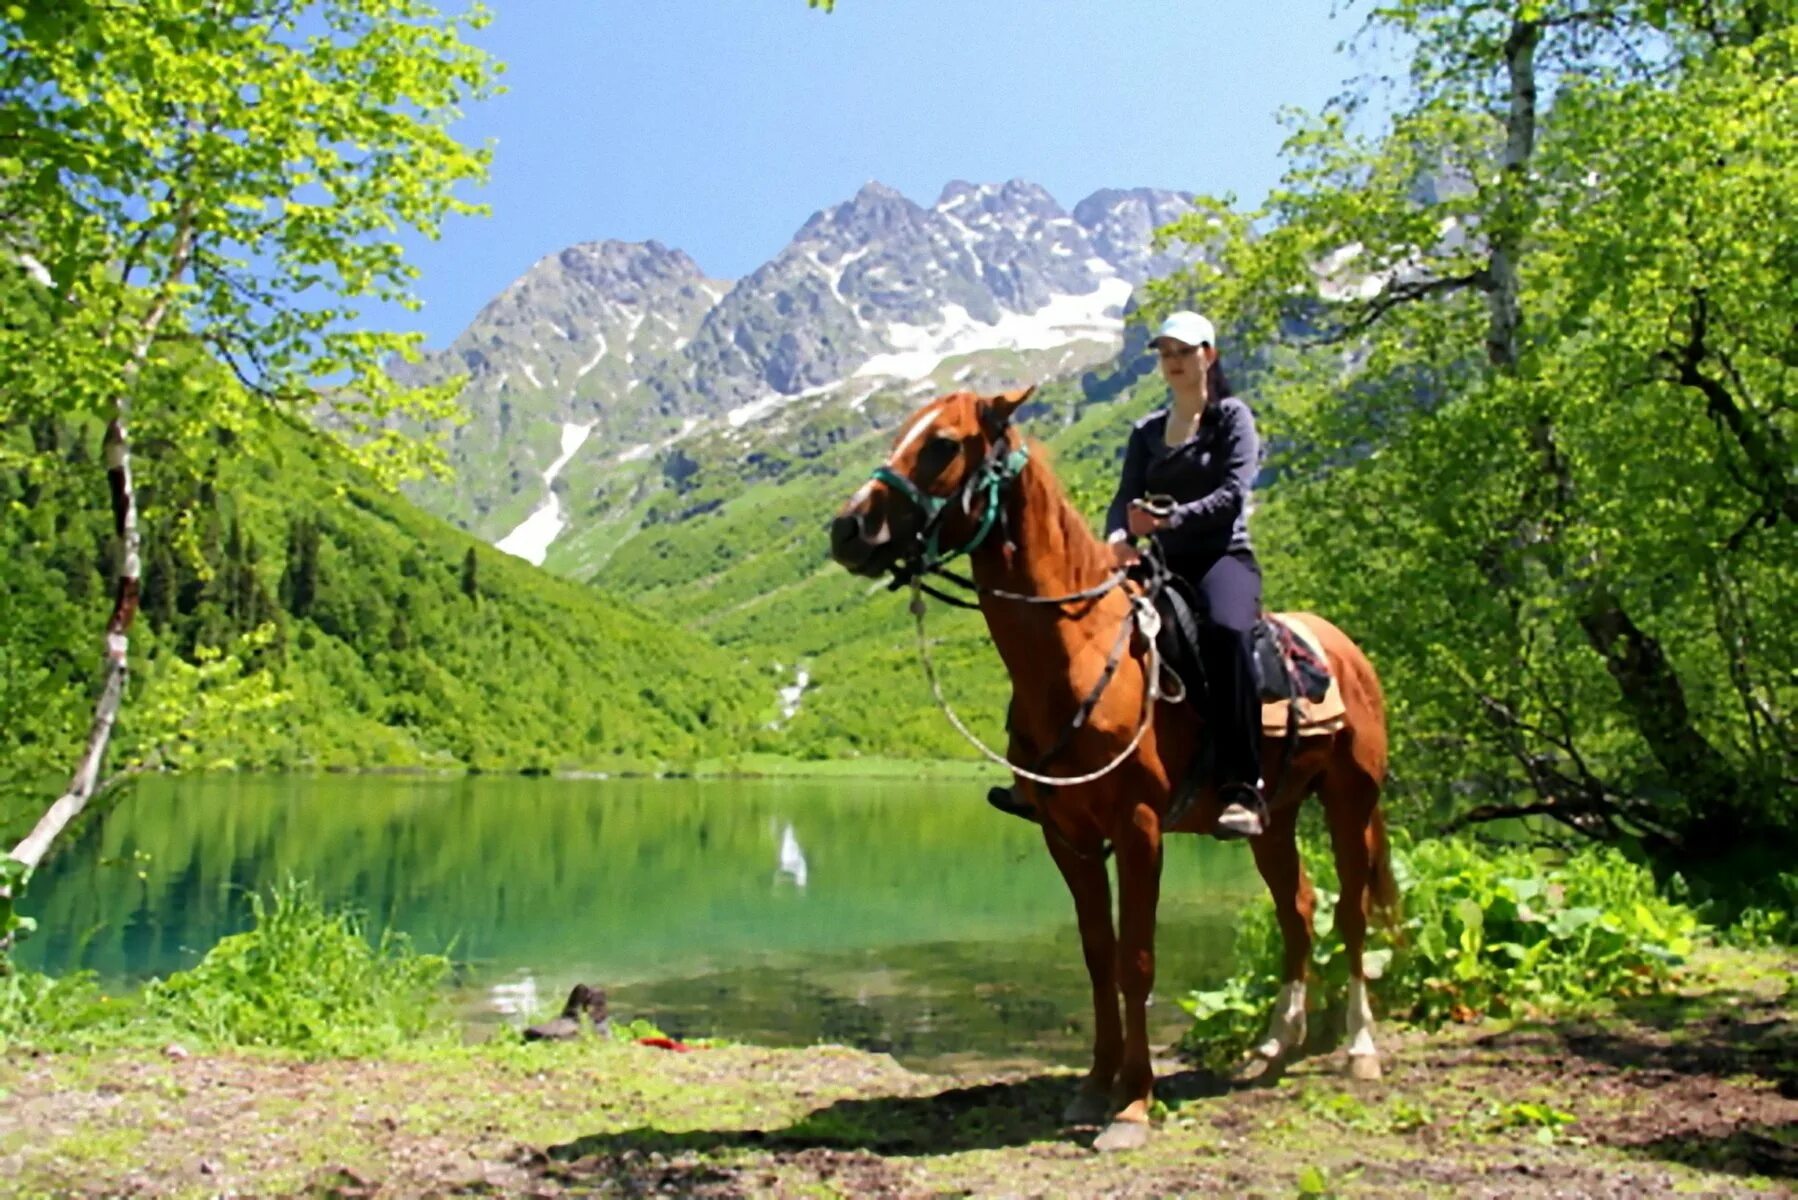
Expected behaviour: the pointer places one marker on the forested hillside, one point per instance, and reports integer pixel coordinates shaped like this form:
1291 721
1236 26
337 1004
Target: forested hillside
387 638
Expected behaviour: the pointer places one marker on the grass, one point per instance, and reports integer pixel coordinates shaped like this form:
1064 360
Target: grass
1531 1105
302 980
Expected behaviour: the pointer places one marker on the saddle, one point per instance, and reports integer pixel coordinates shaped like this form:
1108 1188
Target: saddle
1291 672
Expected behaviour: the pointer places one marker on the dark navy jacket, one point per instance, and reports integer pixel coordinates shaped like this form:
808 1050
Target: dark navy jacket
1209 476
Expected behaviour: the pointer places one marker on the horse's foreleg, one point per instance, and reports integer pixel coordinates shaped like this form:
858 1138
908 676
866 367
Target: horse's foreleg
1139 892
1354 837
1277 858
1091 888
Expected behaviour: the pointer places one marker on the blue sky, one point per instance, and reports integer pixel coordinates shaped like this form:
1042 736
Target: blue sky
720 126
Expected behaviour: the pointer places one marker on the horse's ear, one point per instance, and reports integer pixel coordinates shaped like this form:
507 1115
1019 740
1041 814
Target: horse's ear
996 411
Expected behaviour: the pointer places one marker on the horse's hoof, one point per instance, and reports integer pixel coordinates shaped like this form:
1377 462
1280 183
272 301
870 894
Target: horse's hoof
1257 1068
1364 1067
1088 1108
1122 1135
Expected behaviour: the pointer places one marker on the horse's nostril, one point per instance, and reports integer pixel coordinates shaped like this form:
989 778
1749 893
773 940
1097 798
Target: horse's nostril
845 532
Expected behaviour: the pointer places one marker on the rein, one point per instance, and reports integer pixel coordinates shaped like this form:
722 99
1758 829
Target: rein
1142 615
1001 466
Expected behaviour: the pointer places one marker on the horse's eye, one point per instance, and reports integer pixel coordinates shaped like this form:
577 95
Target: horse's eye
938 453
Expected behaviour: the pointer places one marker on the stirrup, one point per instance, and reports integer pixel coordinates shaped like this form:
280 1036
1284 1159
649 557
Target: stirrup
1006 801
1245 816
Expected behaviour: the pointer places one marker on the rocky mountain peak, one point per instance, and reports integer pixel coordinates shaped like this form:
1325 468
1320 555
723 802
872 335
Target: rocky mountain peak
1122 222
630 347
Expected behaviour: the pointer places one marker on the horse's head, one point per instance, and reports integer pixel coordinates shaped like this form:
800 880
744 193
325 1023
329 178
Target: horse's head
949 447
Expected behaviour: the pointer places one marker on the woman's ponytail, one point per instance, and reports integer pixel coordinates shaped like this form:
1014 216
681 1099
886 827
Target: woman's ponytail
1217 384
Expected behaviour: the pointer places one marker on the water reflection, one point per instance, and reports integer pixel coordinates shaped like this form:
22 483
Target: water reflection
792 858
900 916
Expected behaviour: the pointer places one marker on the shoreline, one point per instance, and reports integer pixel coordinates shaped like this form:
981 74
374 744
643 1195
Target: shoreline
1691 1092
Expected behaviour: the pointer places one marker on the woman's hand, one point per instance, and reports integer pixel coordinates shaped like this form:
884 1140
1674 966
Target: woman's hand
1124 555
1142 522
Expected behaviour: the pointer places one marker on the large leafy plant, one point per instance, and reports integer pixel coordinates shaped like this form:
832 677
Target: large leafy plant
1508 932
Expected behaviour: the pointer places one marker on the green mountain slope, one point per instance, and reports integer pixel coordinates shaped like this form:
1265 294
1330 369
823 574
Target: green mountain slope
732 547
392 638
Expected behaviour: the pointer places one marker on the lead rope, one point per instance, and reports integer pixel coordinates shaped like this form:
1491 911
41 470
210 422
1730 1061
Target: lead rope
1148 620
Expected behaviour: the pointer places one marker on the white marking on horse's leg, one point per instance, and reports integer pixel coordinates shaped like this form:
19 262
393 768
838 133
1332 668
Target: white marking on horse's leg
1286 1031
1360 1021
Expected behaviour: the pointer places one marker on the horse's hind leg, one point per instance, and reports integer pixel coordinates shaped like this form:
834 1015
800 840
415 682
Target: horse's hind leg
1358 838
1091 887
1277 858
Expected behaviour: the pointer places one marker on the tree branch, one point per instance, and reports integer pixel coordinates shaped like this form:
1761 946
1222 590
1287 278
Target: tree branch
1396 295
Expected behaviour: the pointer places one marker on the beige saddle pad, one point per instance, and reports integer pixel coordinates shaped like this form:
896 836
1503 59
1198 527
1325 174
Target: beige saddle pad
1327 715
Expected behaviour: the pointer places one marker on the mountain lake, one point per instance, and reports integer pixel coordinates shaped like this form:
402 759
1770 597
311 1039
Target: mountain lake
905 917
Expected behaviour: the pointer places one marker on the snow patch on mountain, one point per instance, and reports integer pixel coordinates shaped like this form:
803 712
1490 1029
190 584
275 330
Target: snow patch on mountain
1098 314
743 414
594 361
531 540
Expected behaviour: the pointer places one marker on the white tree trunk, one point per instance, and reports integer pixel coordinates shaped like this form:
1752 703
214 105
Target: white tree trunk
128 579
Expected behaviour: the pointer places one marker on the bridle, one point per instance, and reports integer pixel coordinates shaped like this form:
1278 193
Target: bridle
986 484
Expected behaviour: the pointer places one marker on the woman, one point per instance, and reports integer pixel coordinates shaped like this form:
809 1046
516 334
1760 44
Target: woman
1203 452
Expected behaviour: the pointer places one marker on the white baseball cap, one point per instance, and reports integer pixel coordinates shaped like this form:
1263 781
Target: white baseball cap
1188 327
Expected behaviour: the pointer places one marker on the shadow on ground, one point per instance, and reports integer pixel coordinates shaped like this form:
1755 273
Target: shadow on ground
850 1138
1707 1081
1726 1034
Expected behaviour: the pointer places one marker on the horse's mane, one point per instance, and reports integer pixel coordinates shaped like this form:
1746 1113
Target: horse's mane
1088 561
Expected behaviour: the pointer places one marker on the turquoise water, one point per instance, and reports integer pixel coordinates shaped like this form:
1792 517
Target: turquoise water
894 916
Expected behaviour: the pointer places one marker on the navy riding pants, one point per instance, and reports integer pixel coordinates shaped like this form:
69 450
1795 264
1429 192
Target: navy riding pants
1228 587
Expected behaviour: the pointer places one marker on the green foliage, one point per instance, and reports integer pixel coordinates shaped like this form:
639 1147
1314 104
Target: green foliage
315 620
1486 931
14 875
301 979
307 980
637 1027
176 168
1314 1183
1529 403
38 1010
1545 1119
1771 917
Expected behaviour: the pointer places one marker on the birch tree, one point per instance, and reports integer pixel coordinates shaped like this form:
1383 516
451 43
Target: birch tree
197 197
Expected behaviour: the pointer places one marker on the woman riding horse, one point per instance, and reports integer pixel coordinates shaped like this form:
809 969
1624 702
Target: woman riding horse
961 480
1201 453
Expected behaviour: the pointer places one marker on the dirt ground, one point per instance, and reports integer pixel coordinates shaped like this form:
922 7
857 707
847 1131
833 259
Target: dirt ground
1695 1094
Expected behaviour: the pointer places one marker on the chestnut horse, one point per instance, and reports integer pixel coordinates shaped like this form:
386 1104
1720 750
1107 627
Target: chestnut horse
956 477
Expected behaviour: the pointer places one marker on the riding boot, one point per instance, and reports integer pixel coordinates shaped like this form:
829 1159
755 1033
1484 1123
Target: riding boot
1244 814
1234 718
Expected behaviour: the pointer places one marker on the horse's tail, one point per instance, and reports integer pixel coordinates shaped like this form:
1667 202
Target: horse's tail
1383 904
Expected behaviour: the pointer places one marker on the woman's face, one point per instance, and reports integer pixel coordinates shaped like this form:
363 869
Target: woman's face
1182 366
